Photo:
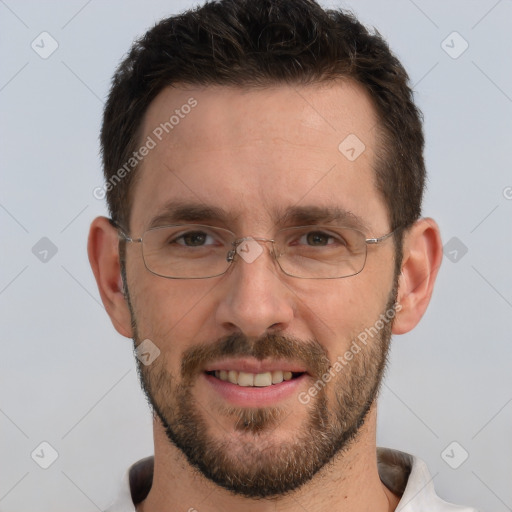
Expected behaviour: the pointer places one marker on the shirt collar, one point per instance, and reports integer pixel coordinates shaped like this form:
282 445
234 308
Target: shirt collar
403 474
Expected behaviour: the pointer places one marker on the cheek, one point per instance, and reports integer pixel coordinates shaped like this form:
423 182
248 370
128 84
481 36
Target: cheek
169 312
335 313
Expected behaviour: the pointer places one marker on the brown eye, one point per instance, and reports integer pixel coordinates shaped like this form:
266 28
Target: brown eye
317 238
194 238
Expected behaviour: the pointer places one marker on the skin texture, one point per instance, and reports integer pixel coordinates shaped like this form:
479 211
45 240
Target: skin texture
255 153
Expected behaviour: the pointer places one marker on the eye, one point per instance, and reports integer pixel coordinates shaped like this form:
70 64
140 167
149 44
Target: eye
194 239
320 239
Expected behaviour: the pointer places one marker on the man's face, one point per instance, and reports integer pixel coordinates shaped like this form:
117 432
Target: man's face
257 155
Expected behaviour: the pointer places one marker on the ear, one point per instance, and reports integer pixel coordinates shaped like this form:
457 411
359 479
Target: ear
103 251
422 256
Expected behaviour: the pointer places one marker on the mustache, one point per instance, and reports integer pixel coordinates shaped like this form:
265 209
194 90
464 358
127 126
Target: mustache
269 346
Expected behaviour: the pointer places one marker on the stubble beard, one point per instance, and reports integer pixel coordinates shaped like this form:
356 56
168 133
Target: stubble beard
247 461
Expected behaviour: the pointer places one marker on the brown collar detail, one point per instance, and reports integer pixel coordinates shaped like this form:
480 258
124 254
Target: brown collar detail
141 479
394 469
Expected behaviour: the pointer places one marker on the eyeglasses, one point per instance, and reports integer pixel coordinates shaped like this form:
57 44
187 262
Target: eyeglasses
195 251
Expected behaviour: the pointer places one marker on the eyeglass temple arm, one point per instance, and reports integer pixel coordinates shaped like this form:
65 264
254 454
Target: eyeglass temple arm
122 234
380 239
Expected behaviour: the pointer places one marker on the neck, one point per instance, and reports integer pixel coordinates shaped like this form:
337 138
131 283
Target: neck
350 483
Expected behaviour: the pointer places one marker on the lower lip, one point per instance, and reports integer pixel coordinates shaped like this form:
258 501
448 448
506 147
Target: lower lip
256 396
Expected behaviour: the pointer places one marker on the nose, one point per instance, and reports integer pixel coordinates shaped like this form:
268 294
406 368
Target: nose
254 298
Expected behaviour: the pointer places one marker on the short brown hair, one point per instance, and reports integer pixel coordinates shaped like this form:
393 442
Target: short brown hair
251 43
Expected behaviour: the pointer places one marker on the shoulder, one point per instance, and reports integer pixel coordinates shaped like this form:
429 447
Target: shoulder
408 477
134 487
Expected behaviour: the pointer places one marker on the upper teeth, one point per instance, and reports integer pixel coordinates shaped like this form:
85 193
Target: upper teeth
253 379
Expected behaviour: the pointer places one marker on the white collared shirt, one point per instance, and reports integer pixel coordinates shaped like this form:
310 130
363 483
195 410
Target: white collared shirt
405 475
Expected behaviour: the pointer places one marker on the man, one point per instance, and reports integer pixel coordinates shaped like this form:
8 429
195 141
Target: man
264 175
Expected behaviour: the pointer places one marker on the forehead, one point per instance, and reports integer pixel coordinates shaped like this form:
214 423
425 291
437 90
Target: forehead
255 153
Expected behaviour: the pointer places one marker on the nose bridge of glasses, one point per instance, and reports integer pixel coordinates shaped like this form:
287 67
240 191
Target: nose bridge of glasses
239 241
249 248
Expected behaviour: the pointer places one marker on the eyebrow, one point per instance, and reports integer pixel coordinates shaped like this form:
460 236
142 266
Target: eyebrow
312 214
177 212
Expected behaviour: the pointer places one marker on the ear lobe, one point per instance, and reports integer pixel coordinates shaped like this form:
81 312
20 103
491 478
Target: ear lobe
422 256
103 251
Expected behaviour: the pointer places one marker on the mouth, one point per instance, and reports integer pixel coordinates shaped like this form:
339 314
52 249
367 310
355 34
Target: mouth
253 383
249 379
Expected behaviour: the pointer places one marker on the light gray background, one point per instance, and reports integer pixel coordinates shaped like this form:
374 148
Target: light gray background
69 379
